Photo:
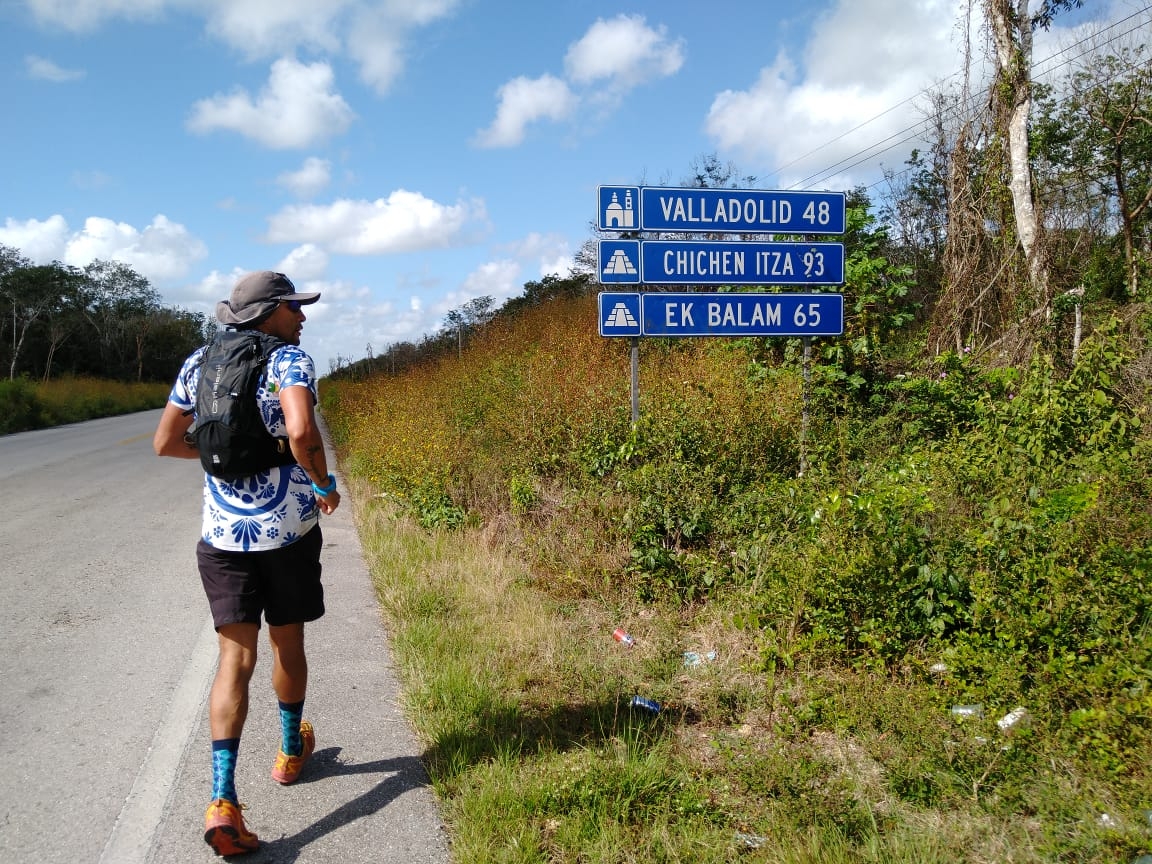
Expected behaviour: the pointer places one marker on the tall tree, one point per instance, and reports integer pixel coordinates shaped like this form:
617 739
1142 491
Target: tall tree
64 314
1103 136
117 295
34 292
1011 26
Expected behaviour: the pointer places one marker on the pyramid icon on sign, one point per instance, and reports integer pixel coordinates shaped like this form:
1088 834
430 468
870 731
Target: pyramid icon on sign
618 264
620 317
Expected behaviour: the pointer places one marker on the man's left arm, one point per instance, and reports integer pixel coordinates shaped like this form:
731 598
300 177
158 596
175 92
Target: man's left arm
305 440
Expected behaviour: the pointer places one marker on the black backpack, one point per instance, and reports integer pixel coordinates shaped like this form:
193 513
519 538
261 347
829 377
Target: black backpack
228 429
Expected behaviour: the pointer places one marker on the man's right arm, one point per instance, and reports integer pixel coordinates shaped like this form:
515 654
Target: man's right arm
169 438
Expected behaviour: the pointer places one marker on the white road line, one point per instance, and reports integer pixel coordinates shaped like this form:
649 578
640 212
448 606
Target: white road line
131 837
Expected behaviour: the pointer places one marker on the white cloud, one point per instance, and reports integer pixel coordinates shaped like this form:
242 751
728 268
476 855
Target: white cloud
610 59
403 222
297 108
91 180
263 28
312 177
40 242
163 252
551 253
864 58
496 279
523 101
308 261
379 50
626 51
374 31
43 69
78 16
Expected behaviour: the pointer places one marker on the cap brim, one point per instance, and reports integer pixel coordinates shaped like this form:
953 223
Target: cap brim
303 298
250 314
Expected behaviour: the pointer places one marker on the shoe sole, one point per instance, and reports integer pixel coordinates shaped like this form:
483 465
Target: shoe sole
225 840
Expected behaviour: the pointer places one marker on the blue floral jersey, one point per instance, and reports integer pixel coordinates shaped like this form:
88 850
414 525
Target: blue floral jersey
273 508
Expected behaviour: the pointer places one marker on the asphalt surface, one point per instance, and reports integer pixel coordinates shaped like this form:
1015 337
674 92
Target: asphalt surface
106 655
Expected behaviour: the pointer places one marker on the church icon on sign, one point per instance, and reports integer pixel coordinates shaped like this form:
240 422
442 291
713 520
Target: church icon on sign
617 215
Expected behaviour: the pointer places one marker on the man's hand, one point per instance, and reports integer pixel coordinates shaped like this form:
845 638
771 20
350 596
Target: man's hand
328 503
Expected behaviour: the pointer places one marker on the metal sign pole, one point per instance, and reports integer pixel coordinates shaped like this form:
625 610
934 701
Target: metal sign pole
635 380
807 380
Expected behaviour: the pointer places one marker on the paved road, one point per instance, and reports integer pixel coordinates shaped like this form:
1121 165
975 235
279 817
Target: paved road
106 654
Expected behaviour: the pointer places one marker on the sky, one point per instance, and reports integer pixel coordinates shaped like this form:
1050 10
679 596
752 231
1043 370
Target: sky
404 157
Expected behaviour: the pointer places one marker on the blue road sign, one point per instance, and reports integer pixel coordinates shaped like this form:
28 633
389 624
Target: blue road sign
624 314
758 211
709 262
619 314
742 314
725 211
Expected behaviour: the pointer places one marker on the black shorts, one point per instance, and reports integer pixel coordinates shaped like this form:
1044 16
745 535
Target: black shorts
283 584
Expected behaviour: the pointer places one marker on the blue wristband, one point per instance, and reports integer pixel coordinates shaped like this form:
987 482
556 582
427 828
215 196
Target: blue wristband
325 491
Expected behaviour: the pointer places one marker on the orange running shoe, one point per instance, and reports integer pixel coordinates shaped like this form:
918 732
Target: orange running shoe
224 829
288 768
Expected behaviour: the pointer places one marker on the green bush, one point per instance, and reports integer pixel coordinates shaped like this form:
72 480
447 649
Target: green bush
20 407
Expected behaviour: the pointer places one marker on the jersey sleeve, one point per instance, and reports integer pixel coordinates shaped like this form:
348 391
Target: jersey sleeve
293 367
183 393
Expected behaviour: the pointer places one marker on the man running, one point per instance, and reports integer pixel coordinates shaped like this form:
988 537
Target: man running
259 551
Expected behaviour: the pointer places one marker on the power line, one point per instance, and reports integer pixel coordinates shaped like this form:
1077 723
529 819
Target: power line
868 153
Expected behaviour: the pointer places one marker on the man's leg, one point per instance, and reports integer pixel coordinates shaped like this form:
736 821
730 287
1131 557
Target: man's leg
224 828
289 662
228 701
290 681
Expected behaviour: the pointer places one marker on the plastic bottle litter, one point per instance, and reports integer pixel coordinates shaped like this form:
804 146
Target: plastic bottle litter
751 841
691 658
938 668
1015 720
623 637
1105 820
642 702
973 711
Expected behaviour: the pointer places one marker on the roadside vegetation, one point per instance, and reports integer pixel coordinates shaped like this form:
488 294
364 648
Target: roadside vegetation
961 537
891 597
26 404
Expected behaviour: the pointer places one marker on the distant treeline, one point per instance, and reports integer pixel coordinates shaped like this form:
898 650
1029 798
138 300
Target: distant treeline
104 320
460 324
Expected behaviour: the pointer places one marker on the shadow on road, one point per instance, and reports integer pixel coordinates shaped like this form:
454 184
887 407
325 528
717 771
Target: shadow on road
405 774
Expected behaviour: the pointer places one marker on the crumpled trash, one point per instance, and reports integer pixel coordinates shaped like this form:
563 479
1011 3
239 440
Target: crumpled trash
645 704
691 658
1015 720
751 841
968 711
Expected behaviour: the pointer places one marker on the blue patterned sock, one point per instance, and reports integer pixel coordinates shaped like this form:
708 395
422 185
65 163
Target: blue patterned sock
224 752
290 716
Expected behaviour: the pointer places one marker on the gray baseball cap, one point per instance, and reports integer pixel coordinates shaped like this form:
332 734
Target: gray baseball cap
255 298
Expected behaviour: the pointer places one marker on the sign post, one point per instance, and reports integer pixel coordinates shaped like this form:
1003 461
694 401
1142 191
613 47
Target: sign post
715 213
